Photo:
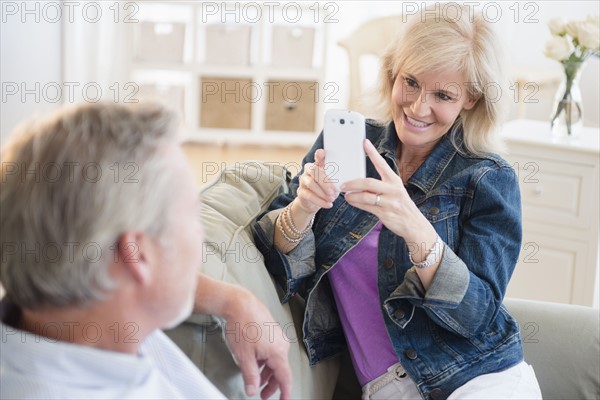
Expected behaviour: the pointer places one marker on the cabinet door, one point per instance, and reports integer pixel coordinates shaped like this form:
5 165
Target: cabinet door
291 106
551 269
228 45
293 46
160 42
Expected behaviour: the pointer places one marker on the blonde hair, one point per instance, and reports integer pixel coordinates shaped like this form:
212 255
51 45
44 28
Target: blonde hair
465 42
71 185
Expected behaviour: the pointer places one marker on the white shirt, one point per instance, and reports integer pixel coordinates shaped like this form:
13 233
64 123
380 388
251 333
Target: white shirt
36 367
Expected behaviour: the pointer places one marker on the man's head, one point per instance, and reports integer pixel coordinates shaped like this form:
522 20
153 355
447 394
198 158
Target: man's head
96 198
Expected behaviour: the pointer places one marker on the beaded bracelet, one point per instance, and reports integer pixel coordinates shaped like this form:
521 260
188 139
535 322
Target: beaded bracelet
292 225
287 223
287 237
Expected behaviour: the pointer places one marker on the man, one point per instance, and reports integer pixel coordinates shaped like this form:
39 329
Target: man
101 242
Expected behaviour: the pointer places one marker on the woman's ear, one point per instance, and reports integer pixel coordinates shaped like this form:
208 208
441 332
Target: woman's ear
135 253
470 103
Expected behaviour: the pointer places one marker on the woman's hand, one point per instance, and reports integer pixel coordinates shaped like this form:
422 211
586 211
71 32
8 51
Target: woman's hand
388 200
315 190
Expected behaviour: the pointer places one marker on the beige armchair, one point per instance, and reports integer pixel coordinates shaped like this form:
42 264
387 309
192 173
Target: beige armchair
561 341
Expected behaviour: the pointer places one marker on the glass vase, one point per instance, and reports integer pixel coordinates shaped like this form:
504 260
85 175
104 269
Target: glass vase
567 115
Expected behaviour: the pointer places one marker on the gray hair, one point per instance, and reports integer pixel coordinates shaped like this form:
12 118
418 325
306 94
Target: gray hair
72 184
466 42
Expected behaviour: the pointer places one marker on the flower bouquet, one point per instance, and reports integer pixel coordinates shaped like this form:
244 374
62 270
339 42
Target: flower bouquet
572 43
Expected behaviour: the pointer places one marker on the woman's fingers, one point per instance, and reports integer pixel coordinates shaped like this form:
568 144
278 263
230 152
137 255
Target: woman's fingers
365 185
310 202
366 199
314 191
314 179
390 182
320 158
320 176
386 173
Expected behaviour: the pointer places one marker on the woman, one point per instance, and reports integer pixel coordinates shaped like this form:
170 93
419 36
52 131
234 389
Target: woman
409 266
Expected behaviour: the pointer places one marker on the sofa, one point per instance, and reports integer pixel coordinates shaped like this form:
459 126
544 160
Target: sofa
560 341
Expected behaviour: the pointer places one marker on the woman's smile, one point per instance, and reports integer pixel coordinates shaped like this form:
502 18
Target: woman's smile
415 123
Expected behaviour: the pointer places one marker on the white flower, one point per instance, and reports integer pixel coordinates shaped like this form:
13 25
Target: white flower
557 26
588 35
594 19
557 48
571 28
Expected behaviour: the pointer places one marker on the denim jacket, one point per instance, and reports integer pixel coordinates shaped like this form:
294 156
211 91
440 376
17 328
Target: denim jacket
457 329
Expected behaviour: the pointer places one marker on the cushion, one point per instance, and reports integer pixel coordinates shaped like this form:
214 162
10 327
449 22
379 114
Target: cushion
562 343
231 203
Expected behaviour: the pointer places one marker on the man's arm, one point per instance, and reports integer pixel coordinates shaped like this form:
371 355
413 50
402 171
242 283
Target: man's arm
239 306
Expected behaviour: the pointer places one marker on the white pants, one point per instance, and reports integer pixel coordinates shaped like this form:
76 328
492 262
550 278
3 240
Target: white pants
518 382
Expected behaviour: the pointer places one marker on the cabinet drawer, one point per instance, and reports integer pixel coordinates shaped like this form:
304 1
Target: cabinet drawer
555 192
291 106
225 103
551 269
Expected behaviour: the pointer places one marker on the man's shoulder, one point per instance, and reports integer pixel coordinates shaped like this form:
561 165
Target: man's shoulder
35 367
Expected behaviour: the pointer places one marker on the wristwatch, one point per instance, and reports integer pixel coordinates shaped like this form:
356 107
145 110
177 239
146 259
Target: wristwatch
434 255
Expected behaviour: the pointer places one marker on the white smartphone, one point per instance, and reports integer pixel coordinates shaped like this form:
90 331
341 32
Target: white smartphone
343 138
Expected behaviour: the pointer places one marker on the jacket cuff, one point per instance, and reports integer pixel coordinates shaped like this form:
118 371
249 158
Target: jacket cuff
447 289
450 282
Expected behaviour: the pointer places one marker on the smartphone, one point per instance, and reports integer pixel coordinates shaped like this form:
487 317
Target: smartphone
343 138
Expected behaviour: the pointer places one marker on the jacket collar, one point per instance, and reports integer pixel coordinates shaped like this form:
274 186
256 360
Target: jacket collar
428 173
388 143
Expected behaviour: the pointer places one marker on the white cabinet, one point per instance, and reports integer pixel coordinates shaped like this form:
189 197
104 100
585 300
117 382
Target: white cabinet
249 72
558 178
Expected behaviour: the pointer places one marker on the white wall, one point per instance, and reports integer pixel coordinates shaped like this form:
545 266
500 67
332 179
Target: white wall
30 54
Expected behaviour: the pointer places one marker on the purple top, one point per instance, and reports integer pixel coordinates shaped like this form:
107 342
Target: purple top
354 284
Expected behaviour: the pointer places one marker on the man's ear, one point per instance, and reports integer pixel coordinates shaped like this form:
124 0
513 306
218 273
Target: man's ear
134 252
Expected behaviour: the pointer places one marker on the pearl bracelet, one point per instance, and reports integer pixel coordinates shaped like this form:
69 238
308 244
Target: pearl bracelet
292 225
287 237
287 223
